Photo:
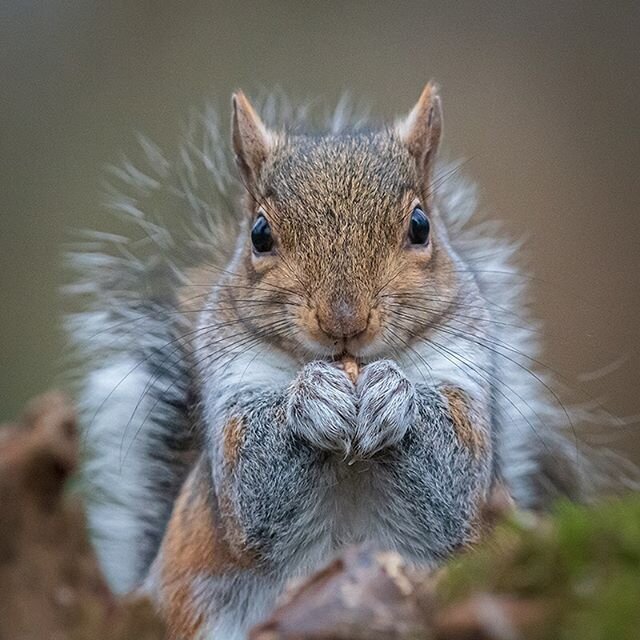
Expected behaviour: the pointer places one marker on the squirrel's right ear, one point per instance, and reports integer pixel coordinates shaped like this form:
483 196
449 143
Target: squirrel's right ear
421 130
252 141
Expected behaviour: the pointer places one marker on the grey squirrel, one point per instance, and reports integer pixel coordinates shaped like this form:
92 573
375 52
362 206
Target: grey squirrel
342 362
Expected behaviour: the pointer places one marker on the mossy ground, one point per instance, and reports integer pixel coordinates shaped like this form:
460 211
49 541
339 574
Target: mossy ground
581 564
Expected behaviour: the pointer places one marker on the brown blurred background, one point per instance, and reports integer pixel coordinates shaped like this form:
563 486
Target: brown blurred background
544 97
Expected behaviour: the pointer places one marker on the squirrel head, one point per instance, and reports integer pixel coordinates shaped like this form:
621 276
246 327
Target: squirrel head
343 232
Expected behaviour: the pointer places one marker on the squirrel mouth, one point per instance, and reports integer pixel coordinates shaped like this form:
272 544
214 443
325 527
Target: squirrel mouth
344 355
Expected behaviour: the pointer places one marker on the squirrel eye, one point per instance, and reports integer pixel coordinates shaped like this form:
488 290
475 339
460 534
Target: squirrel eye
419 227
261 235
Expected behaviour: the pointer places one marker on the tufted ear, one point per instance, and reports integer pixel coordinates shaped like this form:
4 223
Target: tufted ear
421 130
252 141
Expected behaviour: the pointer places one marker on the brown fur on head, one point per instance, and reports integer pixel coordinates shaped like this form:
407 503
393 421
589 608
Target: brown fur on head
339 209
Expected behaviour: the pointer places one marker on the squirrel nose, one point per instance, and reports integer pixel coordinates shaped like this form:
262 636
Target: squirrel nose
343 319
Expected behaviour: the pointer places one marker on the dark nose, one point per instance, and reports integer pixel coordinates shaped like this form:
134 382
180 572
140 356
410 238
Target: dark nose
343 318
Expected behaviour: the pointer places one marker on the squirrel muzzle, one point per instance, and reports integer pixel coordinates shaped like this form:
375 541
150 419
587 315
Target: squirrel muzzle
343 318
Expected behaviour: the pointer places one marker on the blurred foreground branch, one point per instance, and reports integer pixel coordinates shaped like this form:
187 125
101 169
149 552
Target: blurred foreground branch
50 583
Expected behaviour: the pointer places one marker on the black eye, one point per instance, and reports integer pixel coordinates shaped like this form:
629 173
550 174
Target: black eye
261 235
419 227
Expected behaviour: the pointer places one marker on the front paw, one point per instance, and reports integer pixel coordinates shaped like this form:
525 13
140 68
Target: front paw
321 407
386 407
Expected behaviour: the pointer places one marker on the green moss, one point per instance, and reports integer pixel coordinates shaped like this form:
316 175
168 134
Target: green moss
584 562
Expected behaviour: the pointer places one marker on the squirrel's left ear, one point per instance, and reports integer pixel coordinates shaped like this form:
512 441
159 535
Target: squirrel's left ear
421 130
252 141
